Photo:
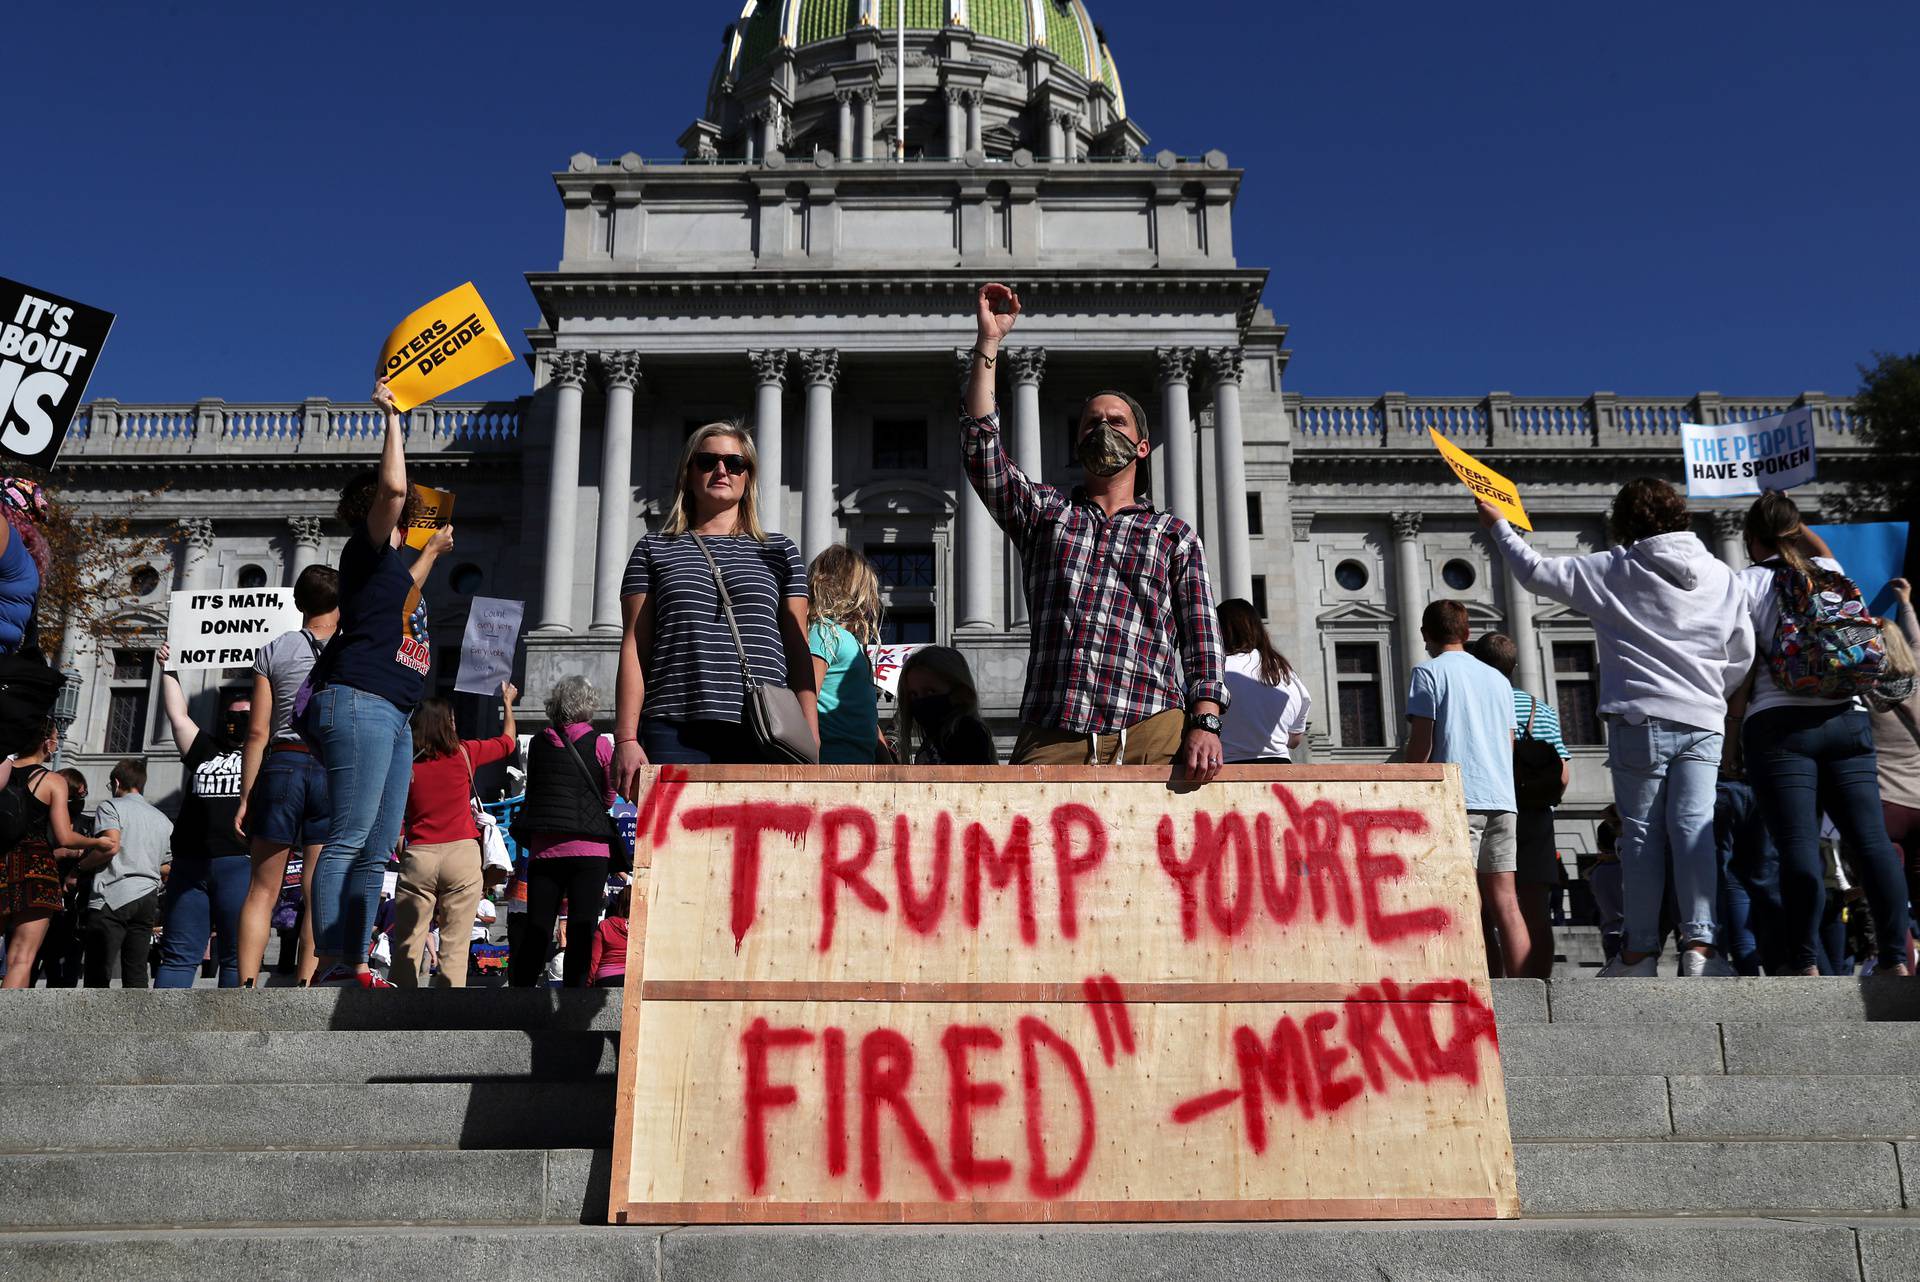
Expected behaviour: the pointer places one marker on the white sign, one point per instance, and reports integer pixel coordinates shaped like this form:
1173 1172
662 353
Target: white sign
486 651
887 660
1732 459
222 629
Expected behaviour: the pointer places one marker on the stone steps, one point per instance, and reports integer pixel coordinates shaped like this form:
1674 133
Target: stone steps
1832 1249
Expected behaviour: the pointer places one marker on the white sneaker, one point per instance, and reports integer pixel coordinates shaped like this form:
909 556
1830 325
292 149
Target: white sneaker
1620 968
1694 965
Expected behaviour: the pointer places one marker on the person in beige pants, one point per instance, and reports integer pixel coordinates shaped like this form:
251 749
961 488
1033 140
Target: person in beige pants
440 873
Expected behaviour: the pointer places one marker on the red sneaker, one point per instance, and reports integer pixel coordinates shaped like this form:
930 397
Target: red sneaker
340 976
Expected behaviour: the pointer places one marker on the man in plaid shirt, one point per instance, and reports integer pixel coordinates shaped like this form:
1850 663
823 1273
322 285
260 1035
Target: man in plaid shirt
1112 587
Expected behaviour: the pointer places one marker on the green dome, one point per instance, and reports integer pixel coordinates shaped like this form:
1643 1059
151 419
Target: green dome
1061 26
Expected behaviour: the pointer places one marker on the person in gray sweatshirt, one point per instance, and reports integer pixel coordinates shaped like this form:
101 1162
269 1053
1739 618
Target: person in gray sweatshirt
1675 641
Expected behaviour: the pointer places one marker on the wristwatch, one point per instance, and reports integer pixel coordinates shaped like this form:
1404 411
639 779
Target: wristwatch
1207 721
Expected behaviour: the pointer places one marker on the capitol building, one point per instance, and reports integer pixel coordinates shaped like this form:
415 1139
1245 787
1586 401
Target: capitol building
810 263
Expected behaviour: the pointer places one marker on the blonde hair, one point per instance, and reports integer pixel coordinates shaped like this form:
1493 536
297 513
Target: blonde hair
951 667
844 590
747 516
1899 653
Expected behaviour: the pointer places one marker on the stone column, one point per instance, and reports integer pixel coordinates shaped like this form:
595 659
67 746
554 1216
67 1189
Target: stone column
976 538
1181 482
863 121
305 534
1058 125
816 519
956 122
1528 674
769 386
568 371
1028 366
1412 589
843 133
1235 576
197 568
973 121
1730 537
620 372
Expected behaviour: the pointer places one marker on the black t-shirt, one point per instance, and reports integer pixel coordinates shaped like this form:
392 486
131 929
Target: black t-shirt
209 800
381 646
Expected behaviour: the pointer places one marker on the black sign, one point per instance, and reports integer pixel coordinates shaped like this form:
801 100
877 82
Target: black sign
48 348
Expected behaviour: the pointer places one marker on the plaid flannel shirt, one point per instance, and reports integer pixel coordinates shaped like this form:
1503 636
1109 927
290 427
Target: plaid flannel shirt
1108 598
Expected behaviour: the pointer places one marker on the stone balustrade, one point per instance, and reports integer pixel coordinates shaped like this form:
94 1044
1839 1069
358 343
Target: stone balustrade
1501 420
108 428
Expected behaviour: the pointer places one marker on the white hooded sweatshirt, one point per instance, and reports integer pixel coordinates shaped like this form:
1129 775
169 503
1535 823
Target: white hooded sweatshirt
1675 637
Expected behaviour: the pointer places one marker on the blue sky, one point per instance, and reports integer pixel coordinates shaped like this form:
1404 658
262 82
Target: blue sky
1640 197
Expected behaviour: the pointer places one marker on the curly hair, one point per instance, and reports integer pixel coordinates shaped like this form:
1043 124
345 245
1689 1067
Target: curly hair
25 529
843 589
1644 507
357 497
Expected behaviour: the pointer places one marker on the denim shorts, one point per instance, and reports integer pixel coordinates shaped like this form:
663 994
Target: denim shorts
288 806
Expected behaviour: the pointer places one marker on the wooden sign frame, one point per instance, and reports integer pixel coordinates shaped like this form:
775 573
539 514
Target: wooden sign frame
1473 1176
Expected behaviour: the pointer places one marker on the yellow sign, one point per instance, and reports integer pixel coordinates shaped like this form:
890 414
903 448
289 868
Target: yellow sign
1485 483
432 509
449 342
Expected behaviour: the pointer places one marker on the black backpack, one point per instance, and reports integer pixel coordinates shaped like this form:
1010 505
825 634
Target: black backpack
1536 767
20 810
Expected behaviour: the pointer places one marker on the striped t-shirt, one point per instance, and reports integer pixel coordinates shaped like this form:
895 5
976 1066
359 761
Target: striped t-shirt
693 672
1546 722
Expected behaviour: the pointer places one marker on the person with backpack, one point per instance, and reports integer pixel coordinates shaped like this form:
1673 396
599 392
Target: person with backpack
441 879
569 836
1540 773
1896 745
1673 643
35 830
1808 741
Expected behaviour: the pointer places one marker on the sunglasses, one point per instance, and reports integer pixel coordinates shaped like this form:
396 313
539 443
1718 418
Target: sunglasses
735 464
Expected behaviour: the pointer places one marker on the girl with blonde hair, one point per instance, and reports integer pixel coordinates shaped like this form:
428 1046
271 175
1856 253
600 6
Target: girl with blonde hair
843 620
680 695
941 706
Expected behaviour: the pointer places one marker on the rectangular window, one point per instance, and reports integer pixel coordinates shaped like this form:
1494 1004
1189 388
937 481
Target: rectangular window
1362 706
903 565
1256 520
900 444
1260 595
126 721
907 627
132 665
1576 692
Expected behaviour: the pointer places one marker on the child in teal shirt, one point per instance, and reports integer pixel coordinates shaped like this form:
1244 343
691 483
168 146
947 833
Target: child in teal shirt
843 620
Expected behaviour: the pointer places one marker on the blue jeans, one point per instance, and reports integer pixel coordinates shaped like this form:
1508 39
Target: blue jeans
1749 882
1803 761
1663 780
367 747
698 743
202 898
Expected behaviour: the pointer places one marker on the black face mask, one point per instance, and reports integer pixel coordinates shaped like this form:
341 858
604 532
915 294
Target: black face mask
235 727
932 711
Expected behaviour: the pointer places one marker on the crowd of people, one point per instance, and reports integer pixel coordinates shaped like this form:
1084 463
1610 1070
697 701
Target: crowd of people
336 803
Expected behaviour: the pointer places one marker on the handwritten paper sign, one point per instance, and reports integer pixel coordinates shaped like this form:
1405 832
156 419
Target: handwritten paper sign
954 993
1728 459
49 346
432 509
887 661
449 342
1483 481
486 651
222 629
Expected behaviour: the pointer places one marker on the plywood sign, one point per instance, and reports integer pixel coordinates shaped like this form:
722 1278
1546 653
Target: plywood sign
878 994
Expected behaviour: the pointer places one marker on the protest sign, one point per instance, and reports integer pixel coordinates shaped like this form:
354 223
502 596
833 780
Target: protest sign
866 993
1872 554
432 509
887 660
449 342
486 651
1729 459
1483 481
222 629
48 348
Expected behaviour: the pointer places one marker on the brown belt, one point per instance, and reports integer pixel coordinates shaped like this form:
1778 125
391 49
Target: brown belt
286 745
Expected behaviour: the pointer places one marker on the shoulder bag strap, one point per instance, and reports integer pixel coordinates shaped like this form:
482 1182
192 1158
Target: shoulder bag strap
726 606
597 790
1533 710
313 643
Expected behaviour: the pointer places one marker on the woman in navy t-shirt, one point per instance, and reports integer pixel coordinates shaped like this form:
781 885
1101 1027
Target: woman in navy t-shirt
365 686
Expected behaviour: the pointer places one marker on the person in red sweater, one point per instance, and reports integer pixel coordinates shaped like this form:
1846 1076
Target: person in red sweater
440 872
608 965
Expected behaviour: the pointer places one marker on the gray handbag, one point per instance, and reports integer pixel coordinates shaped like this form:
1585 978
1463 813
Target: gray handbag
772 712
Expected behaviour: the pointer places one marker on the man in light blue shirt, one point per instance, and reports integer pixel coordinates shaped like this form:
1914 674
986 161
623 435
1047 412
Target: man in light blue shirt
1460 710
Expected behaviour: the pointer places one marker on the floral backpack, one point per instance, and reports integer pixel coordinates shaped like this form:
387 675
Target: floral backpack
1826 645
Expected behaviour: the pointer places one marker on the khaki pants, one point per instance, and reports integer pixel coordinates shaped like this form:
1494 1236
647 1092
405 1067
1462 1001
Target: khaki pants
445 875
1153 742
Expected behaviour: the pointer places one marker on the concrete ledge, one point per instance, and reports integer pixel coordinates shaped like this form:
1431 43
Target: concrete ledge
1832 1107
1889 1250
1766 1000
1519 1001
1601 1050
190 1058
149 1010
1588 1108
403 1115
1844 1050
1661 1177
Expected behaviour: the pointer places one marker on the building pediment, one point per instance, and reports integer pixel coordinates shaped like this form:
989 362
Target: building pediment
897 498
1357 613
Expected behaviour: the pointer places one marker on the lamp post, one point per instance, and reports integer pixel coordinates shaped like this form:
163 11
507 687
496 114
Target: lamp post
66 706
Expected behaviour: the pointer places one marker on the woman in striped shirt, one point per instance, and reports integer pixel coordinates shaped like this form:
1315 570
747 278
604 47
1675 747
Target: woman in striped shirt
680 696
